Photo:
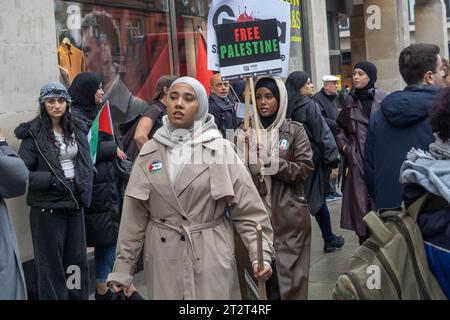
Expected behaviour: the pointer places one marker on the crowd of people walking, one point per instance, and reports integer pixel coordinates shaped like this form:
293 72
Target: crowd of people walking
190 189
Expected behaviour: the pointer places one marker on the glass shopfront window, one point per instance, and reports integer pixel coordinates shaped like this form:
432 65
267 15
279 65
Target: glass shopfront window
296 61
190 20
137 41
130 44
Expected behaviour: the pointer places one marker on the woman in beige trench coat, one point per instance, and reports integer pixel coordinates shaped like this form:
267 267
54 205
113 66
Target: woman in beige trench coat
174 207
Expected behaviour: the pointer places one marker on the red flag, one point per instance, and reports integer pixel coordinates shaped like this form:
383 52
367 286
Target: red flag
105 120
203 74
160 68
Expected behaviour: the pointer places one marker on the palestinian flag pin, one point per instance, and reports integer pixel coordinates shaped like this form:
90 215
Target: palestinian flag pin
155 167
284 145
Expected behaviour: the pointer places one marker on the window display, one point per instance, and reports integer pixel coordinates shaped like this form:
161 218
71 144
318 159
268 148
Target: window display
128 48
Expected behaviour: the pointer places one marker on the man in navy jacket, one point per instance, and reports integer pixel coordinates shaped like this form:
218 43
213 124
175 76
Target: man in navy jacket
402 123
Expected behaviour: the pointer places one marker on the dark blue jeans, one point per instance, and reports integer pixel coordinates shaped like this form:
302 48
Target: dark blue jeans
324 220
104 262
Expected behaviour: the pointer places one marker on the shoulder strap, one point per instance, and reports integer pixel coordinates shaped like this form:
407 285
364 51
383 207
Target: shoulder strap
427 203
377 227
416 207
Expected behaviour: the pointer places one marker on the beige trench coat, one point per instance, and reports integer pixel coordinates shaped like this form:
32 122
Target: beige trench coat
187 240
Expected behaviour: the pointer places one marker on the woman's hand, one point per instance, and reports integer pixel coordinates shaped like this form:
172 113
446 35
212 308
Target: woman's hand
118 287
261 151
120 154
263 275
334 173
127 291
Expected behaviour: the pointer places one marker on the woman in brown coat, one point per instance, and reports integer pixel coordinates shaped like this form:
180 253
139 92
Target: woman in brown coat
352 124
285 154
181 183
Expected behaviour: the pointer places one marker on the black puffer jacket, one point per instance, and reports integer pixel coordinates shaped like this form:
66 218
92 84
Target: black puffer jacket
103 216
48 187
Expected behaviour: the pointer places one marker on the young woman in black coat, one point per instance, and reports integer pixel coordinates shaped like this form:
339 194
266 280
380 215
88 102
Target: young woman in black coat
303 109
103 216
56 151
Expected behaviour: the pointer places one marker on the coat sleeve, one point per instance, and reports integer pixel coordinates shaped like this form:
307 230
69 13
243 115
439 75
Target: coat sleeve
133 225
369 158
248 210
301 166
37 180
322 136
341 134
319 97
14 174
331 123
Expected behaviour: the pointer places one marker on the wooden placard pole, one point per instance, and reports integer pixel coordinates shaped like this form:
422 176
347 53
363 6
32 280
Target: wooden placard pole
246 118
250 92
259 249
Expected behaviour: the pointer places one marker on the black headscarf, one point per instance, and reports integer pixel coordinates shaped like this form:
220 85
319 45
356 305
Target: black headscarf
294 83
367 94
272 86
83 90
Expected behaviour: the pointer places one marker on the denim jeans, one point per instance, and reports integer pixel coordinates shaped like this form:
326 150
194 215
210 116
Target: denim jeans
104 262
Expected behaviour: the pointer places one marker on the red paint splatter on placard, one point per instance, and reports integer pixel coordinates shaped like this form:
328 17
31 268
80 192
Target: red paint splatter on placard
244 17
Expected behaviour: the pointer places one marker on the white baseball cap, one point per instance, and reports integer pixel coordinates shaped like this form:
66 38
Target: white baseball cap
328 78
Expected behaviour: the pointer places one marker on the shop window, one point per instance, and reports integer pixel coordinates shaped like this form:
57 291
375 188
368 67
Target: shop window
190 25
447 7
116 42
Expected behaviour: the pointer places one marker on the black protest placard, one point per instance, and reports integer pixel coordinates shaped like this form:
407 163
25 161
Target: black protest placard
248 49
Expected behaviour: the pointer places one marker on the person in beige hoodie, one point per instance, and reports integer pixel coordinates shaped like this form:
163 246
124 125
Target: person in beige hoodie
280 162
175 205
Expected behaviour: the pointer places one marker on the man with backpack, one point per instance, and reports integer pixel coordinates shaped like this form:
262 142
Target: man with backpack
408 255
142 128
402 123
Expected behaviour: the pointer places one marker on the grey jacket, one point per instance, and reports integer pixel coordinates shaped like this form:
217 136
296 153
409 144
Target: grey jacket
13 183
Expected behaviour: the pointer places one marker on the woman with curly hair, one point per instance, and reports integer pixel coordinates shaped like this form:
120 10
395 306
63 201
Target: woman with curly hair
429 172
56 151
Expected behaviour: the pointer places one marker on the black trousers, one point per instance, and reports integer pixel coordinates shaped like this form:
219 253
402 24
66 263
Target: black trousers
272 286
59 241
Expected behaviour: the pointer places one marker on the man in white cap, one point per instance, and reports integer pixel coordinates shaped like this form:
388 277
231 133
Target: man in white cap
326 98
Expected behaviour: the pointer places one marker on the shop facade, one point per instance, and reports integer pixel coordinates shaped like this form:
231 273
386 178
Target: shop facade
146 38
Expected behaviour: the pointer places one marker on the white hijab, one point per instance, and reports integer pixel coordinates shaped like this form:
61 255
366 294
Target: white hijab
180 142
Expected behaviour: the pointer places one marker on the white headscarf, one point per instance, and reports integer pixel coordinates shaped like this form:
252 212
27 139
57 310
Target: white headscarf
179 142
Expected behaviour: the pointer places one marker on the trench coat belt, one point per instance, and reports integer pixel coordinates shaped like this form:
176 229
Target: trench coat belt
189 230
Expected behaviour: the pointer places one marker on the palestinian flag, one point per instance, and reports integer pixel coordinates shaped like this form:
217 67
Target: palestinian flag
102 123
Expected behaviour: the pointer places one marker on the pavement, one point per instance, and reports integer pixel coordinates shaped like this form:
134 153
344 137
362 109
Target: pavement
325 268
